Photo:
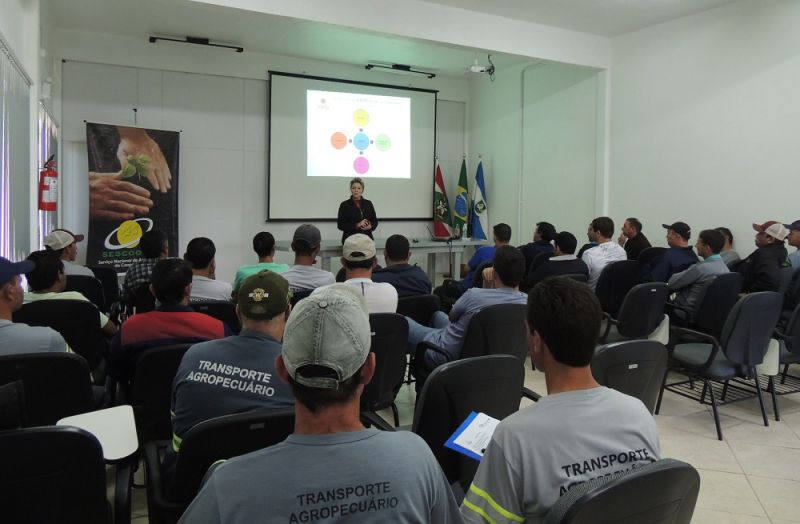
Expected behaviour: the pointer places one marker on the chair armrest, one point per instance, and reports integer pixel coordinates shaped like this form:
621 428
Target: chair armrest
155 481
373 419
122 492
703 336
780 335
610 321
530 394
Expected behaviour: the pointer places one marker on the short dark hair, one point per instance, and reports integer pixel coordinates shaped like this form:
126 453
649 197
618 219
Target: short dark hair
713 239
397 247
502 232
200 252
315 399
264 244
547 231
169 280
509 263
726 233
604 226
360 264
301 247
566 314
566 242
45 273
357 180
152 243
635 224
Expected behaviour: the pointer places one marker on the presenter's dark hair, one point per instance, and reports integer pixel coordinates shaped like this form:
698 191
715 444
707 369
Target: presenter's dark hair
153 243
357 180
566 242
318 398
713 239
635 224
547 231
200 252
264 244
45 273
604 226
509 264
360 264
502 232
397 248
566 314
726 233
170 278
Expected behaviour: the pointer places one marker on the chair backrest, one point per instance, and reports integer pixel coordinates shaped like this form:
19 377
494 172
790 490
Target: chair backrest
12 405
791 298
90 287
143 300
497 329
110 281
642 309
538 260
716 303
297 296
77 321
477 276
649 253
745 337
792 332
616 279
634 367
490 384
52 474
223 438
787 275
221 310
419 307
389 341
151 389
664 491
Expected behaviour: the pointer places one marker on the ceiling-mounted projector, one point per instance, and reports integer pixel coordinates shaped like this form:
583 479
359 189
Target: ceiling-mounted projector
477 69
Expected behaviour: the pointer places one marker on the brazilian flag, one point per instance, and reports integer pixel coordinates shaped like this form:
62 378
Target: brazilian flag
461 205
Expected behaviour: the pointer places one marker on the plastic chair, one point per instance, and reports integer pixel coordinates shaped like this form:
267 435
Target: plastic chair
787 275
56 385
110 280
665 491
419 307
741 347
648 254
389 341
12 405
491 384
203 445
634 367
616 279
53 474
297 296
640 313
221 310
77 321
716 303
90 287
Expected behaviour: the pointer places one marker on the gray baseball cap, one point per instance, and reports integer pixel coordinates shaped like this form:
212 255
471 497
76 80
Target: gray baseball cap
329 329
309 234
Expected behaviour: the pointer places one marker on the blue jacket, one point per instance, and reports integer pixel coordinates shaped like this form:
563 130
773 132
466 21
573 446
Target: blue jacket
674 260
407 279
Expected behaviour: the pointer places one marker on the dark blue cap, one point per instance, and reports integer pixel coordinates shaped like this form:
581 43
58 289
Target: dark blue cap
9 269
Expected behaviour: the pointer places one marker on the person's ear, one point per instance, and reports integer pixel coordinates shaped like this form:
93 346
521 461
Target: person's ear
280 368
369 369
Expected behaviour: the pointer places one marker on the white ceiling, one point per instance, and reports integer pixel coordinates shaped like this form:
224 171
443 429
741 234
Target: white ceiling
599 17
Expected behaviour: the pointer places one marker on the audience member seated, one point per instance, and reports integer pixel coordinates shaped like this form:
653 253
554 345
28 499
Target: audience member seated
331 468
407 279
303 276
264 246
502 236
64 244
446 332
201 256
794 240
690 284
761 271
358 259
154 246
591 241
632 239
172 322
606 250
678 257
543 237
729 256
563 263
235 374
578 432
47 282
18 338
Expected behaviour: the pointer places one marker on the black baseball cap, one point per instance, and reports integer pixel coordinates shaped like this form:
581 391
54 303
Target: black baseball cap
681 228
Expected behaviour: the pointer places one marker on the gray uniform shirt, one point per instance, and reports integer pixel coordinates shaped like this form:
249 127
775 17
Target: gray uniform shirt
691 284
18 339
307 277
364 476
565 439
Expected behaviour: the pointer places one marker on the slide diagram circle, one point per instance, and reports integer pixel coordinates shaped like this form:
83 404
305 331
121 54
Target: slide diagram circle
338 140
361 117
361 165
128 233
361 141
383 142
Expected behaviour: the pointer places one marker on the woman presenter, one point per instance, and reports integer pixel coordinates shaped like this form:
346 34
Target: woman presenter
356 214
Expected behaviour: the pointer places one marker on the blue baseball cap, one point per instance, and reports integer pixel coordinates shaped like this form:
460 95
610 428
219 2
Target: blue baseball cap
794 225
9 269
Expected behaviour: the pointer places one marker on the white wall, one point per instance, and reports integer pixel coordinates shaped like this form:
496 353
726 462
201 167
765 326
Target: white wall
704 120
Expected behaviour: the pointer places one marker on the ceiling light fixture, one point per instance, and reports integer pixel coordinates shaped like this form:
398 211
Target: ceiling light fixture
399 68
194 40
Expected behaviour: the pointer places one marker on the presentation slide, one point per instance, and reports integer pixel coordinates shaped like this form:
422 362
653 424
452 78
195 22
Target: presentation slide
324 132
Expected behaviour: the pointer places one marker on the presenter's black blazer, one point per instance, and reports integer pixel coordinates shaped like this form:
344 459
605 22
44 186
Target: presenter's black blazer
350 215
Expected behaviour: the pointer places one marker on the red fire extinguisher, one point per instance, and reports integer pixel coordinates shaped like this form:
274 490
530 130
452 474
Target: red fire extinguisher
48 186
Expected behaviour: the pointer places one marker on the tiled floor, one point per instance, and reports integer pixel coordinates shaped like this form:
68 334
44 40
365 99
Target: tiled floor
753 476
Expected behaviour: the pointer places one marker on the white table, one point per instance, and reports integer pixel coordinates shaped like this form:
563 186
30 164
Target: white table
114 427
330 249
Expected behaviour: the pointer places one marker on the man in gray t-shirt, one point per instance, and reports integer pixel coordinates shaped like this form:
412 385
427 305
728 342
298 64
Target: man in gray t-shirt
580 431
303 275
331 469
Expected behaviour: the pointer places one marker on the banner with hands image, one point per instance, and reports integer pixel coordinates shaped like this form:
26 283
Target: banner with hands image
133 188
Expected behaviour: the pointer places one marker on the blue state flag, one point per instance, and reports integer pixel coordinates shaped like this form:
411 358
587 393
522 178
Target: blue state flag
479 218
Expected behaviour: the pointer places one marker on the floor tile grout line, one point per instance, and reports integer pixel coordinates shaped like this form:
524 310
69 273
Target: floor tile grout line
747 478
